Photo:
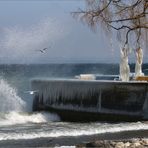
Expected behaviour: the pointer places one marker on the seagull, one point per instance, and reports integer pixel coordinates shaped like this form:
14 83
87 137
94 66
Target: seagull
31 92
42 50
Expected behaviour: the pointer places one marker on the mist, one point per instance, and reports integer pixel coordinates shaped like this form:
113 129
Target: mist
20 44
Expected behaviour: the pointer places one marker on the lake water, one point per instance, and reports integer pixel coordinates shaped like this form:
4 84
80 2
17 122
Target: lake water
19 126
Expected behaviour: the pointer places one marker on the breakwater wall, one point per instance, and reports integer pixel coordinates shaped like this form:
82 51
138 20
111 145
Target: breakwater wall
94 97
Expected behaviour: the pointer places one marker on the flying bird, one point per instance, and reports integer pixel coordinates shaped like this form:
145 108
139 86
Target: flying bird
42 50
31 92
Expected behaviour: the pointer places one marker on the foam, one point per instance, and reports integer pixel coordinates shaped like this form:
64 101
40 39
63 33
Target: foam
82 130
13 118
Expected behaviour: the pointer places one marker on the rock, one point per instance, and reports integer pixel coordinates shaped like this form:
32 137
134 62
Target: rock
112 143
145 142
131 143
137 144
80 146
101 143
127 144
90 144
107 144
119 145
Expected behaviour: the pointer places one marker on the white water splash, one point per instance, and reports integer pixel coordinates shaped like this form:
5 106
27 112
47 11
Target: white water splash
9 100
13 108
91 129
14 118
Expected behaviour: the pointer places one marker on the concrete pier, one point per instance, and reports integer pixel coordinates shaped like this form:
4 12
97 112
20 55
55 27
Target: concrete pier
92 99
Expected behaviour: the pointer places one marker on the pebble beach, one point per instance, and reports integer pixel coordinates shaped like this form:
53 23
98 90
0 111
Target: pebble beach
131 143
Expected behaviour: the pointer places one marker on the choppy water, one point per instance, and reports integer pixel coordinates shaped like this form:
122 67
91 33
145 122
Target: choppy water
18 122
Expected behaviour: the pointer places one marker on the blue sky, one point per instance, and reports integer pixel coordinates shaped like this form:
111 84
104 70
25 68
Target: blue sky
28 26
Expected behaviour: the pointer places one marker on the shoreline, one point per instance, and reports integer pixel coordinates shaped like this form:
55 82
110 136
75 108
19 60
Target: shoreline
79 141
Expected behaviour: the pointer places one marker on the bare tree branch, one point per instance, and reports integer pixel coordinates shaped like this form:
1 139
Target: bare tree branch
126 17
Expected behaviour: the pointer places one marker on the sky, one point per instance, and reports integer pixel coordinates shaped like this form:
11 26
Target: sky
27 26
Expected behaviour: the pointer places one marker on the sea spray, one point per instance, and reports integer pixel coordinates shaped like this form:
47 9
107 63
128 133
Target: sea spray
13 108
9 100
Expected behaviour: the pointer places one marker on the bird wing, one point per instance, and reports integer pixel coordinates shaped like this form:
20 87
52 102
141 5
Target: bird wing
31 91
44 48
42 51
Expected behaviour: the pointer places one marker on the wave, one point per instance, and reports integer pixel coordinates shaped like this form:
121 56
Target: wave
13 108
14 118
9 100
44 131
